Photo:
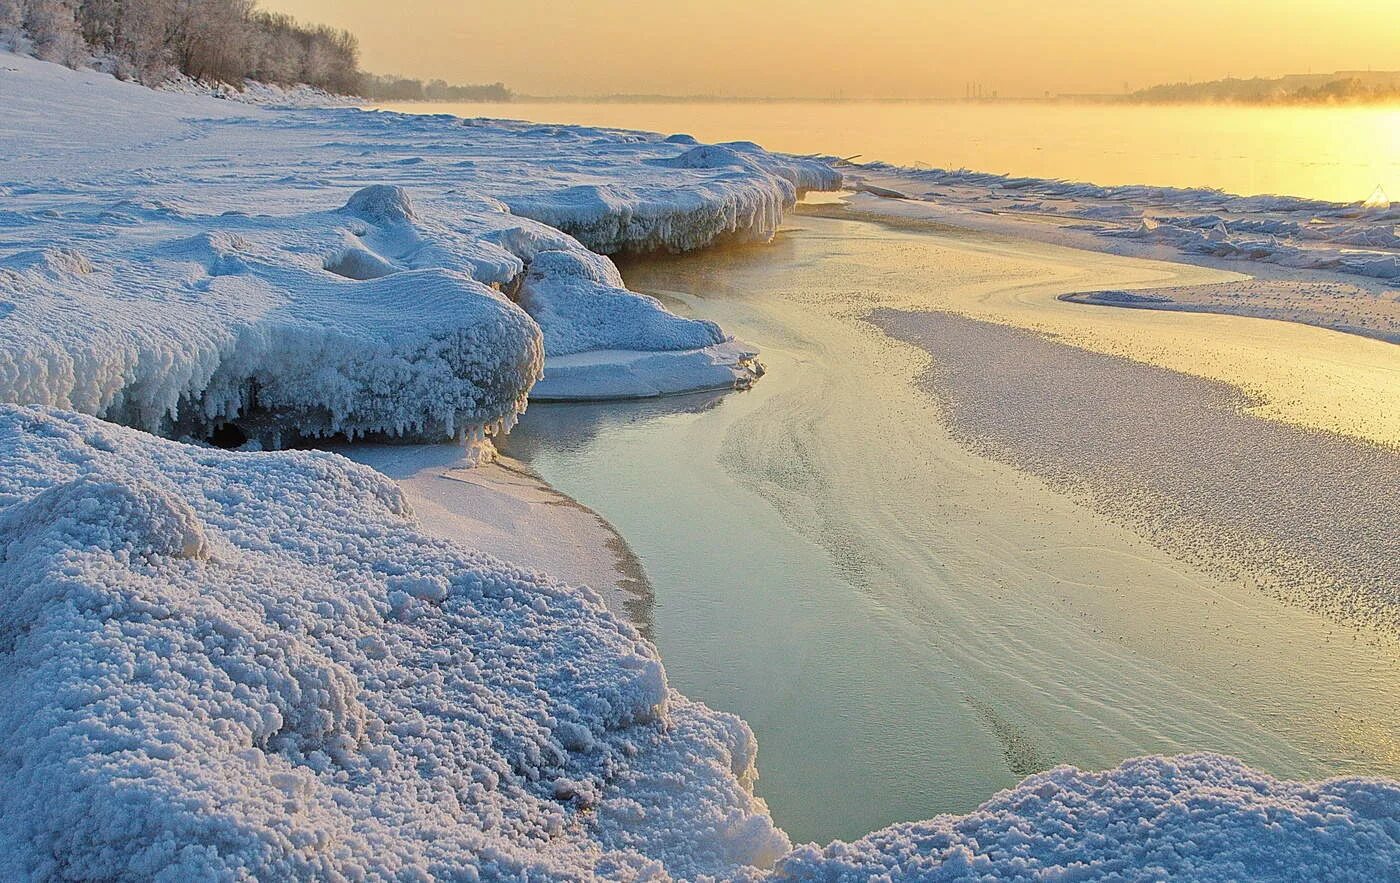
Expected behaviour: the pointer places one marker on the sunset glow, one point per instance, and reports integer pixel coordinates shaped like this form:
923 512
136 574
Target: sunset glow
885 48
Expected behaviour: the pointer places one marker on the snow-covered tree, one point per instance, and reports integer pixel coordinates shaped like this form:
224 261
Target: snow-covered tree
215 40
52 28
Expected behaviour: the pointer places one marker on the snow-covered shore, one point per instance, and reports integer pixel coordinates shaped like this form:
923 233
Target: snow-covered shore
179 263
265 665
1332 265
259 665
1361 239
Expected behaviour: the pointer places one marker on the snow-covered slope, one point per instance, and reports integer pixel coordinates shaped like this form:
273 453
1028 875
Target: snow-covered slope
176 262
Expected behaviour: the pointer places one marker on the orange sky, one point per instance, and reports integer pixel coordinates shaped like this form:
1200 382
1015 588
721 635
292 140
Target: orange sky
885 48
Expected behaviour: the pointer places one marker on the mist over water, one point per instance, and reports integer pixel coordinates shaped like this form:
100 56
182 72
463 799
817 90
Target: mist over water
1333 153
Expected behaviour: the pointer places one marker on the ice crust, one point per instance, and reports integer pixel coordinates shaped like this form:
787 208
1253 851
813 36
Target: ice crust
1200 817
177 263
1361 238
221 665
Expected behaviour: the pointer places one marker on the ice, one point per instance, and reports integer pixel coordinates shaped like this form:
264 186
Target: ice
1200 817
1361 238
256 666
191 322
179 263
251 665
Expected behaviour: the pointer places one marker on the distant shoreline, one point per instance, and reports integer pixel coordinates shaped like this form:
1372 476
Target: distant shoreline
1071 100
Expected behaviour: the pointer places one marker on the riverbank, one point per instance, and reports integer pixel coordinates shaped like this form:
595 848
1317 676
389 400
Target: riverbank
281 664
504 509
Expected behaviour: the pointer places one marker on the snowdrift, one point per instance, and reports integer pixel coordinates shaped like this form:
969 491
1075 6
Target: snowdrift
181 264
1200 817
255 666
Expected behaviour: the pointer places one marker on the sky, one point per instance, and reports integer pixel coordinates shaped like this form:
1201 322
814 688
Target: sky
874 48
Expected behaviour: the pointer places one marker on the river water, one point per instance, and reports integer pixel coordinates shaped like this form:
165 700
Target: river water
1335 153
909 625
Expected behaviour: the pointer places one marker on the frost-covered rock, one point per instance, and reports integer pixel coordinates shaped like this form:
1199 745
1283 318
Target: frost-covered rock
1200 817
254 666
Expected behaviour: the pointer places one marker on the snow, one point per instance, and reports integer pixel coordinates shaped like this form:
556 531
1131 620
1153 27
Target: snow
503 509
1200 817
1361 239
308 272
256 665
262 665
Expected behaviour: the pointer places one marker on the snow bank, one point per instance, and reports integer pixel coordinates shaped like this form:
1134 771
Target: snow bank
1201 817
255 666
178 263
362 320
1361 238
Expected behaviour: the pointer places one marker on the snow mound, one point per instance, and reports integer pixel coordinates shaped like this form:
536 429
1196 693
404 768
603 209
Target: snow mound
581 305
1200 817
255 666
359 321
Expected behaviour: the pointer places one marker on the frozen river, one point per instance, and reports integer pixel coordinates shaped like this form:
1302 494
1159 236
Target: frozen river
909 604
1335 153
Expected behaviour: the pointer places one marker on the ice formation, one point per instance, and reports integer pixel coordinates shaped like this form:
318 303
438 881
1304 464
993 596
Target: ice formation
1200 817
352 321
1361 238
255 666
607 343
316 271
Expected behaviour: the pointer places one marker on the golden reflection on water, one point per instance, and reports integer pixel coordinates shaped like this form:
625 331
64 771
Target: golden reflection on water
1334 153
1299 374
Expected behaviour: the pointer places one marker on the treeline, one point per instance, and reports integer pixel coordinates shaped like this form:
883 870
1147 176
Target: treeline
1351 87
224 41
392 88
